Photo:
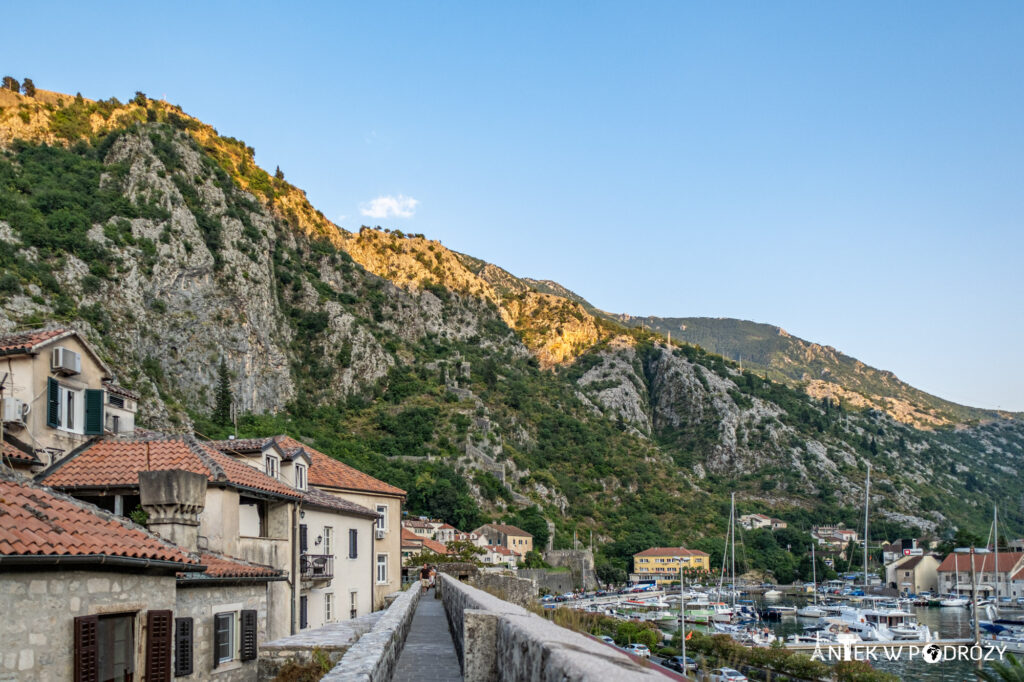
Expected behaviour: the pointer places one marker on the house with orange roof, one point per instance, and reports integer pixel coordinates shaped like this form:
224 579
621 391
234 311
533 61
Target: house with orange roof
663 564
90 595
995 573
58 393
496 555
507 536
342 481
237 511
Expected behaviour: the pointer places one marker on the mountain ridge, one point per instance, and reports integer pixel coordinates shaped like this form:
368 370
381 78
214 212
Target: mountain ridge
479 392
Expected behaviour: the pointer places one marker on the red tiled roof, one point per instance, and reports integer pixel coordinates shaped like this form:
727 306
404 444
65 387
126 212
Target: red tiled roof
225 567
671 552
326 472
434 546
24 342
1019 575
504 551
36 521
409 535
982 562
318 498
117 462
12 453
505 529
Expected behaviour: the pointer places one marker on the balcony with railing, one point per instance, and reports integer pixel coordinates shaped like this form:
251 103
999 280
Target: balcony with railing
316 566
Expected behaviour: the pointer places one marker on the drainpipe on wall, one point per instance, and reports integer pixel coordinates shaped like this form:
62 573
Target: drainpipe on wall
296 510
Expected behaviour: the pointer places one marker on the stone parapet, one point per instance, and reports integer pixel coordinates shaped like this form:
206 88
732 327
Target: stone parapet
332 641
373 657
501 642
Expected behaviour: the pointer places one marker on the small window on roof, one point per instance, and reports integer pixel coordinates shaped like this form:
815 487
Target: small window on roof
272 466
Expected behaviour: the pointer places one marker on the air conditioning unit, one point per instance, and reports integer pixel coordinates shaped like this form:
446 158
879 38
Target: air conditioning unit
381 533
64 361
14 411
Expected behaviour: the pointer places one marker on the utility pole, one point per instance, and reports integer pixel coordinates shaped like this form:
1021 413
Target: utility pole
867 498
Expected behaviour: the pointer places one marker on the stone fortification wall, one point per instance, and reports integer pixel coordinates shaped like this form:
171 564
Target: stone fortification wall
549 582
579 561
373 657
519 591
501 642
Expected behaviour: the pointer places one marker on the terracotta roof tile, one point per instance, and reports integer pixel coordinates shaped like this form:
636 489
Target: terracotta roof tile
671 552
505 529
13 453
435 546
24 342
318 498
36 521
982 562
324 471
504 551
218 566
117 462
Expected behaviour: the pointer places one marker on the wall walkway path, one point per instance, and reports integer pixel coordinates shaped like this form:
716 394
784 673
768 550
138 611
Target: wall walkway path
429 653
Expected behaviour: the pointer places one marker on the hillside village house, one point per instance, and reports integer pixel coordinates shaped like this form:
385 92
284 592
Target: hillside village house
913 574
900 548
996 574
344 482
836 537
88 595
504 535
754 521
662 564
57 394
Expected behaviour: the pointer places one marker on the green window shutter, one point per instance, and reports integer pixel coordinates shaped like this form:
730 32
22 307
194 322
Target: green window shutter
93 412
52 403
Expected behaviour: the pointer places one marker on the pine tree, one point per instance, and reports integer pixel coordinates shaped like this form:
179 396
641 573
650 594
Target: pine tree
28 88
222 410
279 174
11 83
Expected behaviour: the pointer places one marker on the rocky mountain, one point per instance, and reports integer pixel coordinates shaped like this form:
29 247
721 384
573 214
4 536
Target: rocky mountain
483 394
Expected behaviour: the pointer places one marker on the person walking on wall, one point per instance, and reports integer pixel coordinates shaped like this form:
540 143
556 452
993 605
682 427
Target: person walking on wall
425 578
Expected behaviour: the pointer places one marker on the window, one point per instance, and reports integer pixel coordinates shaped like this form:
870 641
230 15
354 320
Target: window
271 465
382 569
382 517
223 637
116 401
353 543
300 476
69 410
328 607
115 424
328 540
303 612
303 538
353 598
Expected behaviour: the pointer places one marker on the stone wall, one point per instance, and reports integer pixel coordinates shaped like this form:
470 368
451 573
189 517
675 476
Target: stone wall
201 602
549 582
38 644
498 641
518 591
579 561
374 656
333 640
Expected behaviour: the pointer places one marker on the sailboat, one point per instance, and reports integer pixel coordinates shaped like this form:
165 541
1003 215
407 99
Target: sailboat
954 599
812 610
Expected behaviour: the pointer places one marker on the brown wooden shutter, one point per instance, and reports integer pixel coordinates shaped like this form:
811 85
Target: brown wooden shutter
158 646
183 646
248 635
86 649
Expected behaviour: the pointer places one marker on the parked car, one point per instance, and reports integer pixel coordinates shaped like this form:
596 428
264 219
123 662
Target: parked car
640 650
678 663
726 675
601 593
607 640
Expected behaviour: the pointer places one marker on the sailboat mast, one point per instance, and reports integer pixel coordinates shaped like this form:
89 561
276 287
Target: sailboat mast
814 572
867 497
995 544
732 525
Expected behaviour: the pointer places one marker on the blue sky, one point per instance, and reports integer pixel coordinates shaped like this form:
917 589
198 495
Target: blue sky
851 172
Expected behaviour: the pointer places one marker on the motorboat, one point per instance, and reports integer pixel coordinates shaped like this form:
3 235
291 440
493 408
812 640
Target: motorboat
811 611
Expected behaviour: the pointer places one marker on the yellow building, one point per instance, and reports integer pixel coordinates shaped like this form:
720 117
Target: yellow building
662 564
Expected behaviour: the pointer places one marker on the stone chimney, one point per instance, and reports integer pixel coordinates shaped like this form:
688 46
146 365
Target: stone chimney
173 499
